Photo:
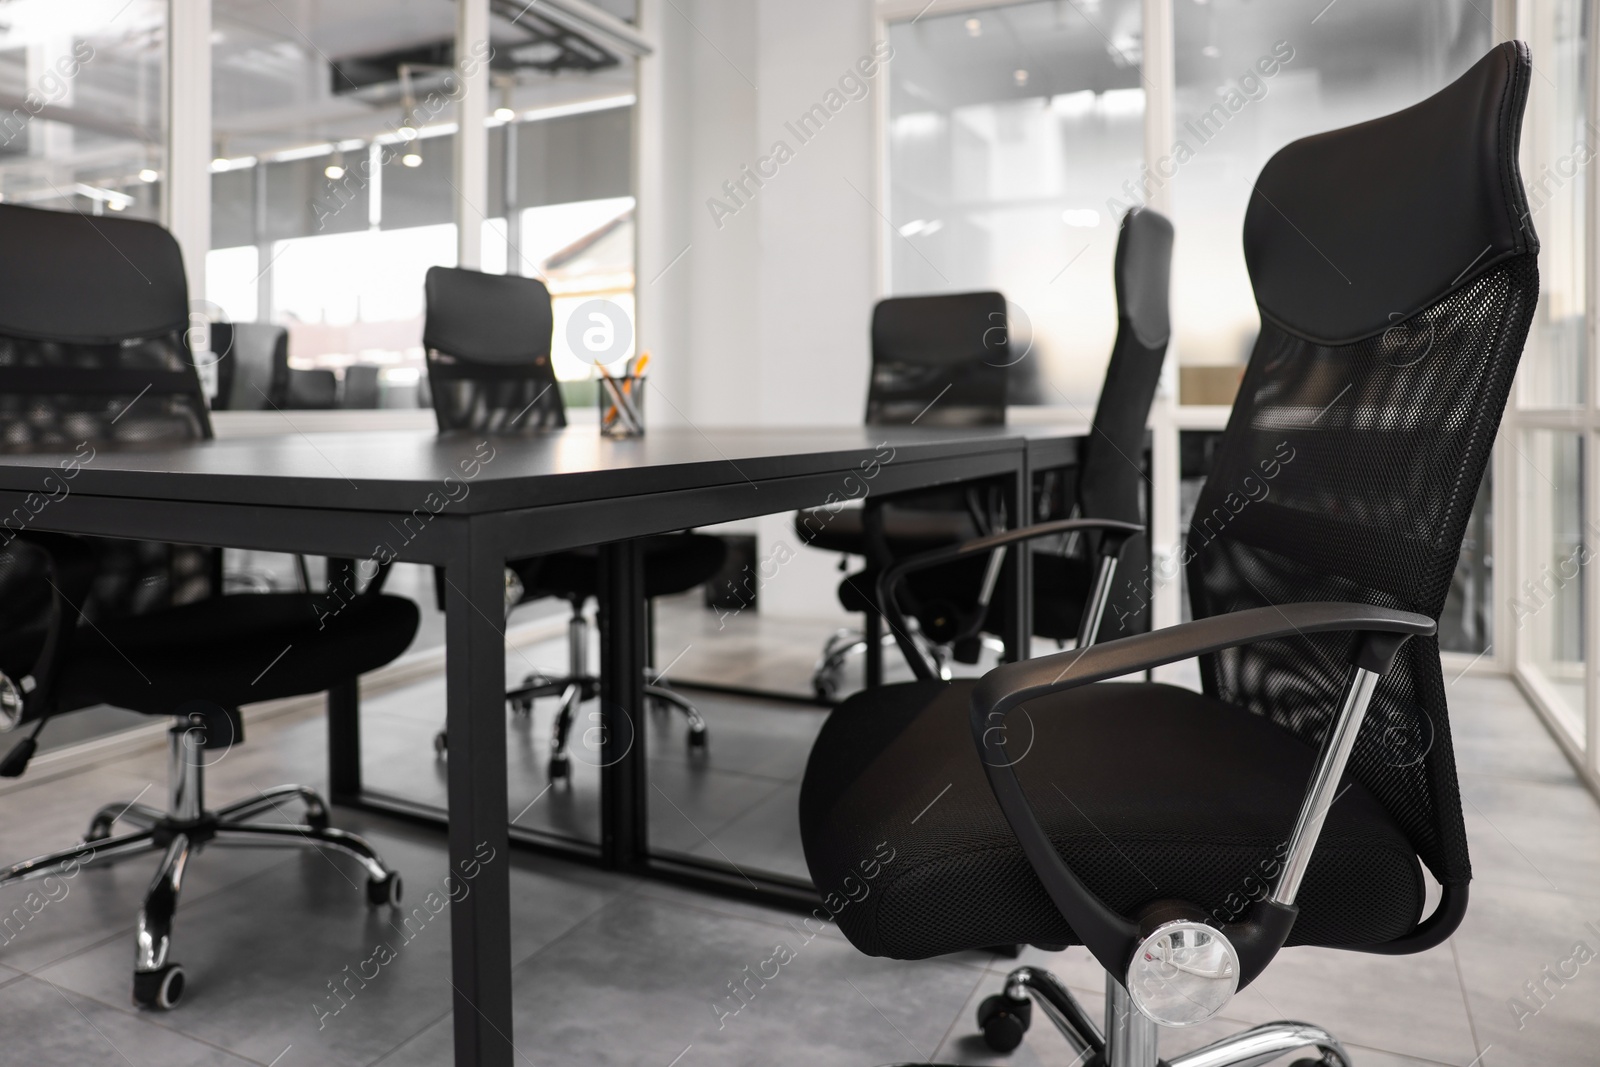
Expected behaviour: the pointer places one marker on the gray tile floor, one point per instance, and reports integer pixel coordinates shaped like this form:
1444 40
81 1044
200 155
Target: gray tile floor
280 947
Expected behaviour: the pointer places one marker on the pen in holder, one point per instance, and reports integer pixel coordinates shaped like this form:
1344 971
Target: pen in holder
622 405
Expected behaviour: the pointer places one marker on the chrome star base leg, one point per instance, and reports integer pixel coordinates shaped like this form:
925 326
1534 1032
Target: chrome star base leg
576 687
182 832
827 677
1129 1038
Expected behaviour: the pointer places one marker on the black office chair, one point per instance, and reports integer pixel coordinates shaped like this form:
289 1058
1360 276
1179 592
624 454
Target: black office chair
939 360
1395 271
253 372
954 605
487 338
79 375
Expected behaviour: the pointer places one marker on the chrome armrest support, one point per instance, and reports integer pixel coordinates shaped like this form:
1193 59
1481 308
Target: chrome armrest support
1172 926
1116 533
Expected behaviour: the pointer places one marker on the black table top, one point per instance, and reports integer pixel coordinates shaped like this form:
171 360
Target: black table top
394 470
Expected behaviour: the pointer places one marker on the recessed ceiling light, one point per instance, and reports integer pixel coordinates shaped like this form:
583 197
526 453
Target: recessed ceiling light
1211 51
1020 77
974 28
148 175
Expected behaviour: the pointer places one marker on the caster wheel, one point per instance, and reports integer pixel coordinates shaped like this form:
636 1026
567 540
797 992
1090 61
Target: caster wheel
159 990
560 769
825 692
698 739
1004 1021
385 891
441 744
96 833
317 820
521 706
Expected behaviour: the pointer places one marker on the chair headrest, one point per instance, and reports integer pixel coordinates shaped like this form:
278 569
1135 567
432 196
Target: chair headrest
1351 231
1143 274
486 318
65 276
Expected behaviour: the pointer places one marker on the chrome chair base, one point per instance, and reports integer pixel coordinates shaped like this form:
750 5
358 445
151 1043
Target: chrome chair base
181 833
827 677
1129 1039
577 686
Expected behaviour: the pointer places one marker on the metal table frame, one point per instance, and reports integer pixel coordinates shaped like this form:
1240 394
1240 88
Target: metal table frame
285 515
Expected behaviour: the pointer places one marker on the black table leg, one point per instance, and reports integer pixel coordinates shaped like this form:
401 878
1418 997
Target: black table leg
344 708
1017 574
624 774
480 912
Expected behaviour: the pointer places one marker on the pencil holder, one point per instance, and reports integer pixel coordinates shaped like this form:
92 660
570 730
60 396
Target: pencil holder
622 405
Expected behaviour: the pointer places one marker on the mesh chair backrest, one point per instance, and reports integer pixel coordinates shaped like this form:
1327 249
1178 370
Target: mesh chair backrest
1110 472
488 342
1394 267
94 314
939 361
252 366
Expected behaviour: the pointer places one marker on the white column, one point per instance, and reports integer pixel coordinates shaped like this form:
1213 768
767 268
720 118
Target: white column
472 136
1165 534
1159 82
186 192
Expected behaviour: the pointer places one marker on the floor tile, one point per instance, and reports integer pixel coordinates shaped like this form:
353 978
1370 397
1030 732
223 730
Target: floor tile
622 990
296 956
57 1026
1510 936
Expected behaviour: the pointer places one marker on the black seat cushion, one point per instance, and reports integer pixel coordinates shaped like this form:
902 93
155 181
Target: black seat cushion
673 563
907 530
234 650
1148 791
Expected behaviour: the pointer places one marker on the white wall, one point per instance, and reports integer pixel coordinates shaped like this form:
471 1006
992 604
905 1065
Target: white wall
763 321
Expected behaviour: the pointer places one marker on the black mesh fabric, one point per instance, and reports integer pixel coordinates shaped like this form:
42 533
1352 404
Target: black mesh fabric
1349 474
487 338
1154 792
494 400
77 398
56 396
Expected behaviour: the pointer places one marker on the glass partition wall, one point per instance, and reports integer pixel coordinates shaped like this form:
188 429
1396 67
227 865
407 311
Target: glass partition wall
82 105
1548 446
332 190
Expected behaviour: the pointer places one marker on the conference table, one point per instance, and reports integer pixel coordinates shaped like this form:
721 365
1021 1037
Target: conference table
468 503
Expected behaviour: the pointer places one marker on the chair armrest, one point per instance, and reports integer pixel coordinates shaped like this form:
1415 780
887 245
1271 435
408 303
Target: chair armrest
1113 938
1116 534
1014 683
